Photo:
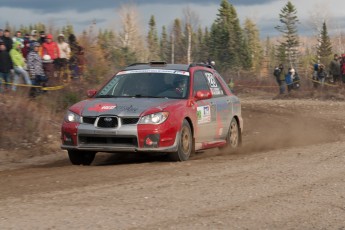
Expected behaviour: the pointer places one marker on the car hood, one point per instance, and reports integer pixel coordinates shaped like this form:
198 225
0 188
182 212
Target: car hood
131 107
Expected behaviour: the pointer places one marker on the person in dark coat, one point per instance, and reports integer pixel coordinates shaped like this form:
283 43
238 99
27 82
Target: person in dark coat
7 40
76 61
334 68
5 65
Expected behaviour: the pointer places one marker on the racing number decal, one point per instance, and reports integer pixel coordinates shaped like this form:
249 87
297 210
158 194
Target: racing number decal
215 89
212 82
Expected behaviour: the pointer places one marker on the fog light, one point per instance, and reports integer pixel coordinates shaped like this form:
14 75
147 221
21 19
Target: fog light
67 139
151 141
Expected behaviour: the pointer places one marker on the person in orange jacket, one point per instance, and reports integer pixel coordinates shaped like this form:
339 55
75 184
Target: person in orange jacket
50 52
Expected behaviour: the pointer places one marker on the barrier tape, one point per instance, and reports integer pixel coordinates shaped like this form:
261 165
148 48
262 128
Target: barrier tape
313 80
48 88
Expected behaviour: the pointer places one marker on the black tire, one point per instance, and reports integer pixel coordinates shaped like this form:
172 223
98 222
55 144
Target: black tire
185 144
81 157
233 139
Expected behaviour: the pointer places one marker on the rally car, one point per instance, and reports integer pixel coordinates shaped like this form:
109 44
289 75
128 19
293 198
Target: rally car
154 107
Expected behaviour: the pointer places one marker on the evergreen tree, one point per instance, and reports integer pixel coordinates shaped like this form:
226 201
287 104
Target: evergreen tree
324 49
288 47
152 40
177 43
164 53
252 36
226 45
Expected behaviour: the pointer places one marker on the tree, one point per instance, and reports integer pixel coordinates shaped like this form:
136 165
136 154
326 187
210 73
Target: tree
227 46
191 23
288 47
152 40
164 46
130 37
324 48
178 50
252 36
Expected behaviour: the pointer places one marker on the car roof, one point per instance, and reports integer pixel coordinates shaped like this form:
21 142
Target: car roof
164 65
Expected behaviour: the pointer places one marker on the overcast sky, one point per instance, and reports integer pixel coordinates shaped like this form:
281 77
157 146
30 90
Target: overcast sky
81 13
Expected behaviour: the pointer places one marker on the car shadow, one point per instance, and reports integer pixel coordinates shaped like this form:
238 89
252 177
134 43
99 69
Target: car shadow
106 159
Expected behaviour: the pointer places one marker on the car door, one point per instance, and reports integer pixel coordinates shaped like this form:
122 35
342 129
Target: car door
222 103
206 110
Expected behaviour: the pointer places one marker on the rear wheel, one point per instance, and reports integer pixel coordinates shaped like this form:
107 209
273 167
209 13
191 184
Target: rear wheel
233 140
185 144
81 157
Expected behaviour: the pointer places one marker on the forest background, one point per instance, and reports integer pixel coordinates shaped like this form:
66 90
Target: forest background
240 53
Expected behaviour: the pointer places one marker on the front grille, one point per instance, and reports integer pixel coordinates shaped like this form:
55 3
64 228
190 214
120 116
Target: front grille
89 120
129 120
114 141
124 121
107 122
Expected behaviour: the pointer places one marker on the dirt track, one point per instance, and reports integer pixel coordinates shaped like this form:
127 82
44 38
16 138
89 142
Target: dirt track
288 175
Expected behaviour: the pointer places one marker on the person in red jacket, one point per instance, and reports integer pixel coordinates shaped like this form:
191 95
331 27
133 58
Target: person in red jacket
50 52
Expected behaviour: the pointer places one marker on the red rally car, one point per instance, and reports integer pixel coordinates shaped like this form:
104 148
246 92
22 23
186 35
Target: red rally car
154 107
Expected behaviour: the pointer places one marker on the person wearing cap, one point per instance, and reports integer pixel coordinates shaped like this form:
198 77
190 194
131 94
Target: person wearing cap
51 49
18 65
62 61
35 67
42 38
5 65
28 41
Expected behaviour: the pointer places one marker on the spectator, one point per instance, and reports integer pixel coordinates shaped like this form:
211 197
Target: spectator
42 38
280 78
28 42
35 68
295 79
76 61
289 80
7 40
1 33
19 65
50 52
62 61
18 37
321 75
5 65
334 69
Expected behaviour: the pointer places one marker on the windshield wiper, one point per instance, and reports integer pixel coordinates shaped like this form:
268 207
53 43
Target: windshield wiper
105 96
145 96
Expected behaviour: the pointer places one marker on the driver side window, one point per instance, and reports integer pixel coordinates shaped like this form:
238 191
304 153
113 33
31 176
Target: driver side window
200 82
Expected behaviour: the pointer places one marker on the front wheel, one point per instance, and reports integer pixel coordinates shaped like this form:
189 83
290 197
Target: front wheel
81 157
233 140
185 144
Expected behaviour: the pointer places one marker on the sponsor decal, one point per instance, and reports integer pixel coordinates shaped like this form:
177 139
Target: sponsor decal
154 71
126 108
102 107
204 114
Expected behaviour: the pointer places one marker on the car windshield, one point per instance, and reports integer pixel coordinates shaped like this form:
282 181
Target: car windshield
146 83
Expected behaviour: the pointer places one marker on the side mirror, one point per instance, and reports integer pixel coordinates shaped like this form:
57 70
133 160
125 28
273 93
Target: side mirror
91 93
203 95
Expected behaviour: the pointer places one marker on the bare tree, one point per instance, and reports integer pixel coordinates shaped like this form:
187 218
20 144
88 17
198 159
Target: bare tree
131 37
192 22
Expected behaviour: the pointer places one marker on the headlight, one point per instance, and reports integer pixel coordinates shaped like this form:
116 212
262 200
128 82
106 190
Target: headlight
72 117
156 118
